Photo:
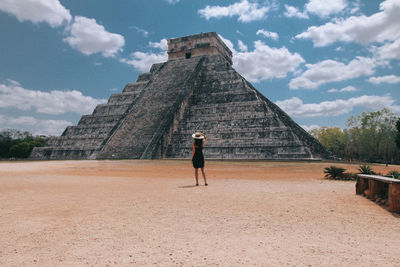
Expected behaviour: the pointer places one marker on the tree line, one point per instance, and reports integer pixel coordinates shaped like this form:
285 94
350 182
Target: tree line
369 137
17 144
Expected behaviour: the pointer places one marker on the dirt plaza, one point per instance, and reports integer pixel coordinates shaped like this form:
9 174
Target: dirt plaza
131 212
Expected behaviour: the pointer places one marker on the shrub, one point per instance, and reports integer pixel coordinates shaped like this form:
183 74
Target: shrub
20 150
393 174
349 176
334 172
366 169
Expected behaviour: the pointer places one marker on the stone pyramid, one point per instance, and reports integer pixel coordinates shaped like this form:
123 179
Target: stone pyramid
195 90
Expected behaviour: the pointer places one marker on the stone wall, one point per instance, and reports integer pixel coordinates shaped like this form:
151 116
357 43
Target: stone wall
198 45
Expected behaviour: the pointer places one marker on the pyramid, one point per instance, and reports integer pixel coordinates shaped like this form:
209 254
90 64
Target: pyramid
197 89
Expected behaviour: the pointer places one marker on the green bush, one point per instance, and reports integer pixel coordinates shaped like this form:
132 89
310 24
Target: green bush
20 150
334 172
349 176
393 174
366 169
17 144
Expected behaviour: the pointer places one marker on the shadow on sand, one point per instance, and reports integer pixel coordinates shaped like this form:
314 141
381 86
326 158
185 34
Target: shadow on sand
187 186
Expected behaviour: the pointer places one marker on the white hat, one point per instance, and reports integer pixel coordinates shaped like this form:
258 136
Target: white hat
198 135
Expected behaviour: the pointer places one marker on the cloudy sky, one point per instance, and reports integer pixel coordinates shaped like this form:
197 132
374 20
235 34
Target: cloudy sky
320 61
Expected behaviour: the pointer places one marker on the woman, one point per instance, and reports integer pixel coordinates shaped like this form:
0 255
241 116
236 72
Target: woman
197 156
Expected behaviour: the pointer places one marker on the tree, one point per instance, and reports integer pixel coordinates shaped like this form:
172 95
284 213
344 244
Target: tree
398 134
373 135
333 139
20 150
17 144
370 136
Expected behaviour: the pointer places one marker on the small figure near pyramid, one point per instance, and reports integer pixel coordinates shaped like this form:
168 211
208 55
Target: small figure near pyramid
197 156
195 90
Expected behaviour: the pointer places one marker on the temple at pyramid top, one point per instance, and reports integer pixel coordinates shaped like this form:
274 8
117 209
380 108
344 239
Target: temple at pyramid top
198 45
197 89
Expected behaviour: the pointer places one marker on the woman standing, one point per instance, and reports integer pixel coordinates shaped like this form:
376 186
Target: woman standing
197 156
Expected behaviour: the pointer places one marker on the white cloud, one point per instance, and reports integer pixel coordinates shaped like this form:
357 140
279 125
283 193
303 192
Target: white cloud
245 10
89 37
321 8
228 43
142 31
242 46
173 2
295 106
36 11
325 8
292 12
379 27
34 126
332 71
385 79
142 61
344 89
12 95
390 50
268 34
310 127
265 62
163 44
355 6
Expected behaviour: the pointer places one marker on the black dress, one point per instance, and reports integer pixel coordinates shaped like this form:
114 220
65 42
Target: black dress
198 157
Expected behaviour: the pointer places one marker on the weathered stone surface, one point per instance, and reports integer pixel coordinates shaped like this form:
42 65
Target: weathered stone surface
155 117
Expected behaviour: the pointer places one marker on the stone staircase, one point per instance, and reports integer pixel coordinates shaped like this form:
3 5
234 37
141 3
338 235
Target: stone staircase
149 121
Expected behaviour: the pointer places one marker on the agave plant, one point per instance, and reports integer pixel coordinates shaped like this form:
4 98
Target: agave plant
334 172
366 169
393 174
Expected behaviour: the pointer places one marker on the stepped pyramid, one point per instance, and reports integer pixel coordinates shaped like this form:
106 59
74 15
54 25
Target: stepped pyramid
195 90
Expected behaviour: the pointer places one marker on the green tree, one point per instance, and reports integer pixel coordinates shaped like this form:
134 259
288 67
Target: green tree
398 134
372 135
17 144
333 139
20 150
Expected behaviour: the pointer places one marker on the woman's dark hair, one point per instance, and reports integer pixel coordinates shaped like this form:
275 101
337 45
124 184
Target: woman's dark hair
198 142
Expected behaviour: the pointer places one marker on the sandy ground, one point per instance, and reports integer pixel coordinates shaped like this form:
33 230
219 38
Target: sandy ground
121 213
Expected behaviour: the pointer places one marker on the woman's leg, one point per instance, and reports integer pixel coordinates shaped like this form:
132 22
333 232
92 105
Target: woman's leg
204 176
196 175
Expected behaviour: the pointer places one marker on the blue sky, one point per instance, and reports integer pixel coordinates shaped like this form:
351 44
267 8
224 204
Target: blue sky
320 61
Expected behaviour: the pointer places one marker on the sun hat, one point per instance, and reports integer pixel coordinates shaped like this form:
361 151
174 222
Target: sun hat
198 135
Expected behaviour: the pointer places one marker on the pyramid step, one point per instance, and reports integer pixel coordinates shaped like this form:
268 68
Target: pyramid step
227 116
227 107
110 109
134 87
240 153
98 131
224 125
144 77
124 98
76 141
92 120
224 98
51 153
239 131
